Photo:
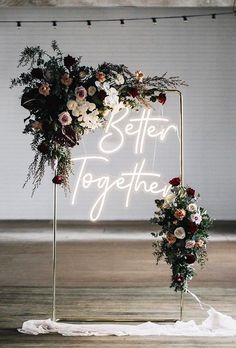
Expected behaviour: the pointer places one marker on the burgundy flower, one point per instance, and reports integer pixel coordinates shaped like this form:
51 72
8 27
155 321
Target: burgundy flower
102 94
133 92
175 181
58 179
37 73
192 227
190 258
190 192
69 61
179 278
162 98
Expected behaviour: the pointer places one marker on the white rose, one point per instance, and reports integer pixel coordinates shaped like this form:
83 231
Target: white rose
196 218
91 106
71 105
179 233
165 205
119 79
92 90
112 99
192 207
170 198
76 112
106 112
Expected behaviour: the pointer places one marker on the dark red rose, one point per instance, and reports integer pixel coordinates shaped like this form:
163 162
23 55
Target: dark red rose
43 148
102 94
162 98
190 192
192 227
69 61
37 73
175 181
179 278
58 179
133 92
190 258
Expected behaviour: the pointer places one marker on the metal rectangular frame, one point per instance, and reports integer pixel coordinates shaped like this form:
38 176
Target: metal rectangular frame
54 254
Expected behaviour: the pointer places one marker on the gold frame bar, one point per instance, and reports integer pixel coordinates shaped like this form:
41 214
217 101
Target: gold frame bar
54 257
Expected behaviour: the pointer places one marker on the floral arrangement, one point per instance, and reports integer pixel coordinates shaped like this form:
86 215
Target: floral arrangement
184 227
66 100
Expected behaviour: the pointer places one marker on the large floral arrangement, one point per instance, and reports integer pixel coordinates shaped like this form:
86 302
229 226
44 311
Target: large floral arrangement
184 233
67 100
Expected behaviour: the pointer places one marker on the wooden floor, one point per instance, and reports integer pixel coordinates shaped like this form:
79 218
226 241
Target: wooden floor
104 280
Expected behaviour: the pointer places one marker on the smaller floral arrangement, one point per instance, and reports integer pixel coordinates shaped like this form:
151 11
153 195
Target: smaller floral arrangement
184 233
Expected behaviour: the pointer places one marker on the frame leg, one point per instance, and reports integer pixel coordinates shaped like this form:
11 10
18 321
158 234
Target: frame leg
54 256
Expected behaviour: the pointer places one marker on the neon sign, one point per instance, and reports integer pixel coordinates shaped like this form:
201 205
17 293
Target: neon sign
147 125
137 178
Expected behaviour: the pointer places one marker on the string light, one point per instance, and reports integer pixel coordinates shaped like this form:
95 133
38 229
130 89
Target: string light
122 21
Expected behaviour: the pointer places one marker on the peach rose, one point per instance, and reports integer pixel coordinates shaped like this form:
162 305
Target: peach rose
44 89
66 80
199 243
170 238
100 76
180 214
139 75
37 125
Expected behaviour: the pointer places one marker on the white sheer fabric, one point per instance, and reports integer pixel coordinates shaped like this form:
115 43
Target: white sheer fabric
216 324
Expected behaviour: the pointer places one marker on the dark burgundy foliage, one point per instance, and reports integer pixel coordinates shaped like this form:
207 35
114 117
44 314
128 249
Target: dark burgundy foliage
37 73
43 148
133 92
102 95
69 61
